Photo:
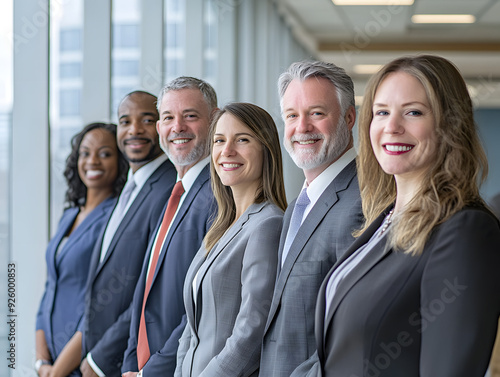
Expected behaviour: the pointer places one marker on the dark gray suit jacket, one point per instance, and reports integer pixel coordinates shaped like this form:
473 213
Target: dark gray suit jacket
324 235
234 286
430 315
112 282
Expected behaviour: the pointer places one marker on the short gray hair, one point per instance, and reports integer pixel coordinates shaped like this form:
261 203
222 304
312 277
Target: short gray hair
313 69
186 82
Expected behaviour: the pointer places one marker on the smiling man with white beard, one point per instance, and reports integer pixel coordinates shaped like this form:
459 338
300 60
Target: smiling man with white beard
317 105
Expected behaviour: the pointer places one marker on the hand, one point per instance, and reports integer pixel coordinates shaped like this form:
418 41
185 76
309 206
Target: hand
87 370
130 374
45 370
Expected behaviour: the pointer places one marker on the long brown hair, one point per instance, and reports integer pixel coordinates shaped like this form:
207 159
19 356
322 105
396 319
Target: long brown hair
272 187
459 167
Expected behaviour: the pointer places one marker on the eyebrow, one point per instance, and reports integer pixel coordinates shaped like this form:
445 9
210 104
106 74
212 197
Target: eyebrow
404 104
145 113
238 134
104 146
183 111
322 107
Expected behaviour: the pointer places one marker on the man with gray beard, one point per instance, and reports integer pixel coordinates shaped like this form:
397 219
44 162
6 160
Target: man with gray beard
186 106
317 105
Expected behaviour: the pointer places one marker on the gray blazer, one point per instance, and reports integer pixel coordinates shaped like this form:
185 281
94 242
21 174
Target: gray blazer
324 236
234 286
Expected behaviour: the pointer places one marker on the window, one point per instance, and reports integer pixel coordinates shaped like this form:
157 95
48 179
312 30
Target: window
125 50
66 57
174 20
70 70
71 40
125 67
210 42
70 102
6 98
126 36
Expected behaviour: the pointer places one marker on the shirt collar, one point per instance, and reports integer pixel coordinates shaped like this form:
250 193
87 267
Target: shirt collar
144 172
193 173
321 182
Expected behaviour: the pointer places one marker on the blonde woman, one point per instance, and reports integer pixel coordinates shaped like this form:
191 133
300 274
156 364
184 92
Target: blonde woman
418 293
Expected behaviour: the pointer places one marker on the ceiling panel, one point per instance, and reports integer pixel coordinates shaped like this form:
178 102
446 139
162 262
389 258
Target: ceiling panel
376 21
353 35
450 6
492 15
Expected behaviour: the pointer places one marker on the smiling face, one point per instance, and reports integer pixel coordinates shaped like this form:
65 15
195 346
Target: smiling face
402 131
136 132
316 133
98 160
237 155
183 127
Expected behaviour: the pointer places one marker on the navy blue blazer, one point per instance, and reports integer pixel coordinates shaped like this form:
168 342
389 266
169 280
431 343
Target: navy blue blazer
111 283
61 307
164 309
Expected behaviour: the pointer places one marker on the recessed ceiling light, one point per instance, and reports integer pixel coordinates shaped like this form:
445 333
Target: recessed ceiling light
373 2
366 69
443 19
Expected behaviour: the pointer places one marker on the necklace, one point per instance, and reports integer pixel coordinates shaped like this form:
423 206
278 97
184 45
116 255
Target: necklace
387 222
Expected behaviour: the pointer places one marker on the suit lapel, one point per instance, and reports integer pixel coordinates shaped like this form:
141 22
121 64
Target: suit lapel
347 283
82 229
189 300
223 242
191 195
324 204
284 230
139 199
53 260
146 189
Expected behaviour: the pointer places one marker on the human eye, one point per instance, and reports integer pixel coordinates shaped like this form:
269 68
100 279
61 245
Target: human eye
191 116
149 120
414 112
317 113
381 112
105 154
124 122
218 140
83 153
291 116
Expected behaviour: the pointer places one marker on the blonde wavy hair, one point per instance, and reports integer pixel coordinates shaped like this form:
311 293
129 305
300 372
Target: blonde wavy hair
459 167
272 187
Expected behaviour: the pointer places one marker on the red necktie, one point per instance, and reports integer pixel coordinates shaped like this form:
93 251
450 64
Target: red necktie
143 352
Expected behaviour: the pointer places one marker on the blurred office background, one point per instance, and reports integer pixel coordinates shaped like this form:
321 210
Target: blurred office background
65 63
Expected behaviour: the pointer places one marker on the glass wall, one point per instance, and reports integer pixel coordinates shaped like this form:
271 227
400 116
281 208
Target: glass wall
125 49
210 42
174 37
94 53
66 66
6 94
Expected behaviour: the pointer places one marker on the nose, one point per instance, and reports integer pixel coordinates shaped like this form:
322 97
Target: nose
304 125
179 125
228 149
93 159
394 124
136 127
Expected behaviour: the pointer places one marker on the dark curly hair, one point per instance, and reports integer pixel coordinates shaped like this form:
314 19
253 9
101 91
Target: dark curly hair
77 191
